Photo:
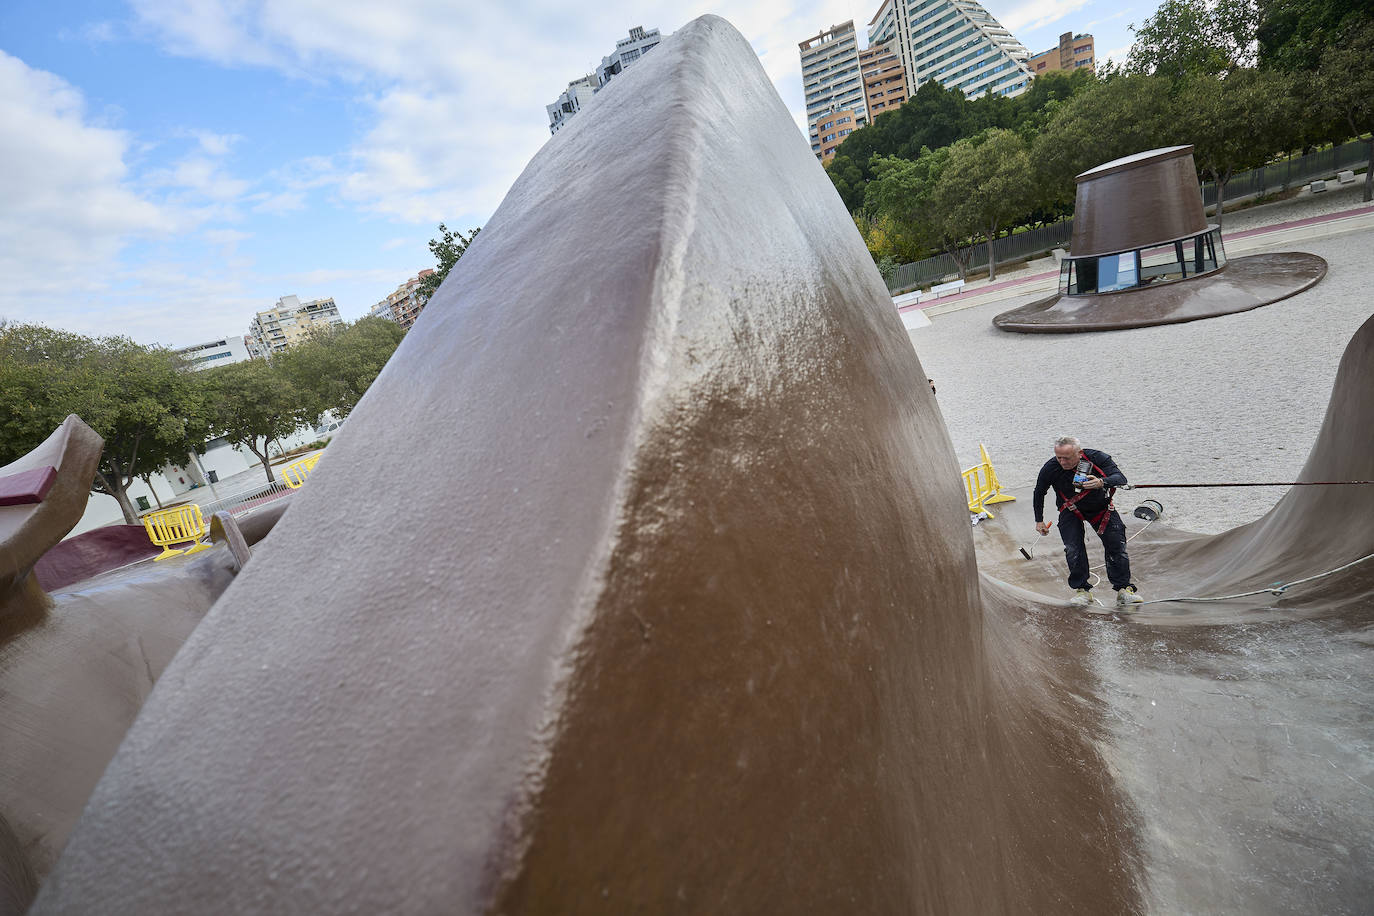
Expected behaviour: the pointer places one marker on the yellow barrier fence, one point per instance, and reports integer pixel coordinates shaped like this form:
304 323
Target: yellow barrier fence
172 526
294 474
982 486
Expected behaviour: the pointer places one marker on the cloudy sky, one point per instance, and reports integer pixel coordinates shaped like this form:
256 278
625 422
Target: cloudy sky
168 167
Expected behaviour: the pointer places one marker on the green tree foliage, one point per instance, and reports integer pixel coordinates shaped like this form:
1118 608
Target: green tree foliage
897 206
1235 123
1184 37
981 190
447 249
1116 118
143 400
250 403
333 368
1345 88
1295 34
848 180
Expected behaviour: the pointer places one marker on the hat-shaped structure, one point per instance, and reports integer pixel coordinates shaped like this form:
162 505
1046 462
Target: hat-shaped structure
1143 253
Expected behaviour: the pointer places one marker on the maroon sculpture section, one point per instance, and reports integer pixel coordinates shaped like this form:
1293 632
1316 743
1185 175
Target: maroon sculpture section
689 620
44 494
1143 254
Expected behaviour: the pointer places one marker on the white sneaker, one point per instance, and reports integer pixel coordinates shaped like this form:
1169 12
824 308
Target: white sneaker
1127 597
1081 598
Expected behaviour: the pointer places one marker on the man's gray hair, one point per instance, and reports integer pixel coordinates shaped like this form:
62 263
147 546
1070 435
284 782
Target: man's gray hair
1070 441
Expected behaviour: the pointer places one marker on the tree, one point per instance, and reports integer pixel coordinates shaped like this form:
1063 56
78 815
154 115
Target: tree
897 201
1195 36
142 400
447 249
332 369
1293 35
983 189
848 180
1346 88
1114 118
250 403
1235 123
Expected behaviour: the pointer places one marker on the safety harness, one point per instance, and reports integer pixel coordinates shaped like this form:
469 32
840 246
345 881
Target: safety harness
1098 522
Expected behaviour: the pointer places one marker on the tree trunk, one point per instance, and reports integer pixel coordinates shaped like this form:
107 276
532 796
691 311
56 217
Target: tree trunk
992 254
117 488
1369 172
149 481
266 465
1221 198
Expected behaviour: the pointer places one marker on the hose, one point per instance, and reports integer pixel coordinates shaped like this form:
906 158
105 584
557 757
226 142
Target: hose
1277 589
1298 483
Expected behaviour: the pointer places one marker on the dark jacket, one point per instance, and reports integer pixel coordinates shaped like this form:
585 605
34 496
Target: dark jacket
1052 475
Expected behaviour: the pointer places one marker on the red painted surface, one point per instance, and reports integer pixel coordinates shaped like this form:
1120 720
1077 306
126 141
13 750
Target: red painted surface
26 487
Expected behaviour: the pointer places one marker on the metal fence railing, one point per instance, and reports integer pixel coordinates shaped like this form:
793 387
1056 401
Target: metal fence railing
247 500
1014 247
1280 176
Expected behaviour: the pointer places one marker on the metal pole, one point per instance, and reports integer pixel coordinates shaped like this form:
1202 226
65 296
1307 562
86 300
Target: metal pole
213 491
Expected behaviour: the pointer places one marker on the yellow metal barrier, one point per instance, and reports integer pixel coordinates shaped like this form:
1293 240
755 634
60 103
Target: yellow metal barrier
982 486
172 526
294 474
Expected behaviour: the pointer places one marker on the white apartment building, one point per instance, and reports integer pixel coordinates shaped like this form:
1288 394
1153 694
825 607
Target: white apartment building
213 353
627 50
957 43
288 323
580 91
833 84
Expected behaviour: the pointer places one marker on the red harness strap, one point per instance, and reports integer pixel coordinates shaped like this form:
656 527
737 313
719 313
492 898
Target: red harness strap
1098 522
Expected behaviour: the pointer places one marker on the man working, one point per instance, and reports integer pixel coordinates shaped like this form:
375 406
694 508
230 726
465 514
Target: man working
1083 481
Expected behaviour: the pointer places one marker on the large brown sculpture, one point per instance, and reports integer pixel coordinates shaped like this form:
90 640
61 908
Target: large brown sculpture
42 496
1143 254
692 622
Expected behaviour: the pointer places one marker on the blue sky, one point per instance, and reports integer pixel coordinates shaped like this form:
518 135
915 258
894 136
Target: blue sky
169 167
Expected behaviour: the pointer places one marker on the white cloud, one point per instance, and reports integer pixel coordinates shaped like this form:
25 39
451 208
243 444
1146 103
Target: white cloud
215 144
457 95
1034 14
68 204
1118 54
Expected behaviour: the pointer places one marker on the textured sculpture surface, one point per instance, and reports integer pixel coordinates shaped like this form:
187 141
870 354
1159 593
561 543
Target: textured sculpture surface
660 636
693 622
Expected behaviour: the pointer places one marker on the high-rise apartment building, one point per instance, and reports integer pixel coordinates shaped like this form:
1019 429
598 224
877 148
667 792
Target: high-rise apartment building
884 78
832 129
214 353
580 91
1075 52
627 50
832 83
954 42
404 305
288 323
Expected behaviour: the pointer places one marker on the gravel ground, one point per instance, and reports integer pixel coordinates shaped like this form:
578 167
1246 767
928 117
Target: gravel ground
1236 398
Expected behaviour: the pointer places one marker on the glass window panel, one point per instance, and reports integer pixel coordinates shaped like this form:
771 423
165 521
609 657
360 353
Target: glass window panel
1188 248
1116 271
1159 264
